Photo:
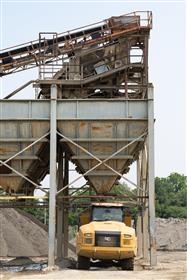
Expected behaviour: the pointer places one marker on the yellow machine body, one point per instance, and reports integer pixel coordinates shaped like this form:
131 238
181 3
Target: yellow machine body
106 240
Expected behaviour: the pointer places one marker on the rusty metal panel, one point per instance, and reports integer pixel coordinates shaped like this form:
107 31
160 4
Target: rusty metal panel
102 179
11 131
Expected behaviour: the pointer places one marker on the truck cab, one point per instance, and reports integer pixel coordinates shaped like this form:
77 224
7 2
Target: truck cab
106 234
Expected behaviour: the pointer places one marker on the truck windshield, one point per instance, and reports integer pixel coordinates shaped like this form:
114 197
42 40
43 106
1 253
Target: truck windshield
107 214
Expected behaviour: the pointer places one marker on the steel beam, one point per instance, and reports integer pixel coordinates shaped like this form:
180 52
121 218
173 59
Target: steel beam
139 219
19 89
59 208
153 259
52 194
23 140
144 182
145 234
70 109
65 210
139 235
102 157
102 140
28 157
17 197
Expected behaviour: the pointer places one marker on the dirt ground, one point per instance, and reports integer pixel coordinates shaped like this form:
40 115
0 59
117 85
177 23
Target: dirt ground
171 265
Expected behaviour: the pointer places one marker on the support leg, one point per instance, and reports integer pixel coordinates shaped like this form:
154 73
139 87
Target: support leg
139 236
65 212
145 241
153 259
59 208
145 230
59 230
139 219
52 194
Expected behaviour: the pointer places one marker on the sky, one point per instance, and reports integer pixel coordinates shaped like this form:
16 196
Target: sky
21 21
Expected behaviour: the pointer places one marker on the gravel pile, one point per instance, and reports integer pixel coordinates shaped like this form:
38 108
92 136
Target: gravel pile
20 236
171 234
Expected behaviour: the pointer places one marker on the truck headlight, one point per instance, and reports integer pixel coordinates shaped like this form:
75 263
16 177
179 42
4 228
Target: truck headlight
88 235
88 238
128 236
127 239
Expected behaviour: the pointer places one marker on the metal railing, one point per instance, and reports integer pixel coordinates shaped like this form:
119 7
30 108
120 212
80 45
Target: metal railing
69 71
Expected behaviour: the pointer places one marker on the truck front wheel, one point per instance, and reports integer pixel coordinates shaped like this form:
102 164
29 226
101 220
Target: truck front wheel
83 262
127 264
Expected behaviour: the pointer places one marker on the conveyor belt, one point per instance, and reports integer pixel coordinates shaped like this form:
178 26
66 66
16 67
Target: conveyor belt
33 51
49 42
33 54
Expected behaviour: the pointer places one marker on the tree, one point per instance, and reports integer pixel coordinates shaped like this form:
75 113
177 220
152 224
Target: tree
171 195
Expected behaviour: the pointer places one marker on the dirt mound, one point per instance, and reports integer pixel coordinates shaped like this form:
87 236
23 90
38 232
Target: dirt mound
20 236
171 234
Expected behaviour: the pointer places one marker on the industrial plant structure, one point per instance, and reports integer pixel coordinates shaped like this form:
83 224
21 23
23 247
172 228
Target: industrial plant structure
93 107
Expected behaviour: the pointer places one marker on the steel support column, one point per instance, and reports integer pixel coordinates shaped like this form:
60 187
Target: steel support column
139 219
59 208
144 183
145 240
65 209
151 186
52 193
139 235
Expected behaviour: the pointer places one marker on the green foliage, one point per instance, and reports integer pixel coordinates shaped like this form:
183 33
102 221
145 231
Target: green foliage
42 214
171 200
171 196
123 189
75 211
74 214
2 191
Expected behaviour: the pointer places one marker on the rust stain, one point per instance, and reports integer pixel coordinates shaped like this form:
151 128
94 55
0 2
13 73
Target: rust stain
8 149
82 124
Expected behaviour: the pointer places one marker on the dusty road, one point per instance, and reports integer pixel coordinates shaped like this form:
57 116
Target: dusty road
171 265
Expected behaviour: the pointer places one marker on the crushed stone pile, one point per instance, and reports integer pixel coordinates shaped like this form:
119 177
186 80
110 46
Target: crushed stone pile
171 234
20 236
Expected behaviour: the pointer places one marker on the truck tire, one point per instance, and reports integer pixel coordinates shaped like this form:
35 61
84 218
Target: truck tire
83 262
127 264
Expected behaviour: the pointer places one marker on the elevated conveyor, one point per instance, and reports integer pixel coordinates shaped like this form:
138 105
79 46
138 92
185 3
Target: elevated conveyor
68 44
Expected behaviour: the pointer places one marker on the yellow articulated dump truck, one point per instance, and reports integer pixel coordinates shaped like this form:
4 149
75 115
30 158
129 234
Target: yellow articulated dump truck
105 233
